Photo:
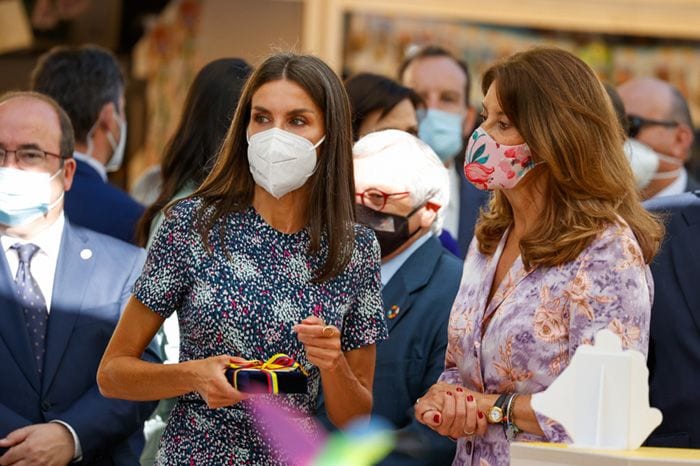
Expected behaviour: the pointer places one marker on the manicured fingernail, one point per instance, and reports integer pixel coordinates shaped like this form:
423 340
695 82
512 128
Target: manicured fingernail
481 415
470 398
436 419
449 393
459 389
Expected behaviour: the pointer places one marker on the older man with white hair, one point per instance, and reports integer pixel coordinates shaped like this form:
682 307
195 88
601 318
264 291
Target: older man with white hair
402 189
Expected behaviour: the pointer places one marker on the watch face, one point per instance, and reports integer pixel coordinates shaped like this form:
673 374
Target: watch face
495 415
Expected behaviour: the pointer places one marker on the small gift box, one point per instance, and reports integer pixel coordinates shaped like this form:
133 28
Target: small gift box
279 374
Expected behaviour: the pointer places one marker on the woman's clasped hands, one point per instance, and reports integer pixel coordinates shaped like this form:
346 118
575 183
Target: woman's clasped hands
451 410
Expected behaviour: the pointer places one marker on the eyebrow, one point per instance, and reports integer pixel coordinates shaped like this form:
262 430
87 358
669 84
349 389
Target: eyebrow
296 111
30 145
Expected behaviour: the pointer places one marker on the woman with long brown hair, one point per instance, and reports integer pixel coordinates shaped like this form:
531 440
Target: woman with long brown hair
560 253
263 258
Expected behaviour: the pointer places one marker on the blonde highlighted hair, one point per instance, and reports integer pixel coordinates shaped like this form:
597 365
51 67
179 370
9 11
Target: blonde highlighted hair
562 111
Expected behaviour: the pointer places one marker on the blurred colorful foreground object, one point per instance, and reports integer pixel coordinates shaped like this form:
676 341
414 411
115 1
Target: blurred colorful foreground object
363 443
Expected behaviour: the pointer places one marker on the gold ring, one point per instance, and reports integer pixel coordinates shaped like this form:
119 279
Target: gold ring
468 433
328 331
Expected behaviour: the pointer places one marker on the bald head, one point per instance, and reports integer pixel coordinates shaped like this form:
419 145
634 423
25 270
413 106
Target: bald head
654 99
44 111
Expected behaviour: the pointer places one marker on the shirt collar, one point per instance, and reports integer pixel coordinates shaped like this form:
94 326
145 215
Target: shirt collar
390 267
48 239
97 166
678 185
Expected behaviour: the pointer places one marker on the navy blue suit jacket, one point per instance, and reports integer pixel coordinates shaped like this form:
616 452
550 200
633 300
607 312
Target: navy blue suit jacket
413 357
471 200
99 206
674 346
88 297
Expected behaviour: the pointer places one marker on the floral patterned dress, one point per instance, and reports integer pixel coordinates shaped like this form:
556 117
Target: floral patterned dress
242 299
538 319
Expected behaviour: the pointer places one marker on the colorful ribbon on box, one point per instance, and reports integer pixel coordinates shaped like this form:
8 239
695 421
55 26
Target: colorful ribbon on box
280 362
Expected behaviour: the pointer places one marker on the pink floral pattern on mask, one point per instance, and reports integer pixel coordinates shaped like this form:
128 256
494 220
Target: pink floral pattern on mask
489 165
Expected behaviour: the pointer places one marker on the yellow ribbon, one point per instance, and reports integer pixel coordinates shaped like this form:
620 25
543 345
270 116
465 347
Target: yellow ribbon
280 362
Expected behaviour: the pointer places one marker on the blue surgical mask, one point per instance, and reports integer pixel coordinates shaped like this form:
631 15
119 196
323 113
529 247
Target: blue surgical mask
25 196
442 131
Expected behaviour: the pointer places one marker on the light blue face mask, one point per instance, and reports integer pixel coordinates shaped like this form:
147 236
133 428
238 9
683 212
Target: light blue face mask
442 131
25 196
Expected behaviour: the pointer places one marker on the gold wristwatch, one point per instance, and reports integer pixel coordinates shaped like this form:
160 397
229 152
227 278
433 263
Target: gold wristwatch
496 413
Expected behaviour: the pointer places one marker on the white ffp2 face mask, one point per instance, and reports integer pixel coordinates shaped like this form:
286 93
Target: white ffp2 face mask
280 161
645 163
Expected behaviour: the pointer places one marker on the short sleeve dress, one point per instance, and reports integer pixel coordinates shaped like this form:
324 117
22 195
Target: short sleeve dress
242 299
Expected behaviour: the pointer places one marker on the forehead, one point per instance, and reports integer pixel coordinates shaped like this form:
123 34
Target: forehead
435 73
26 120
282 96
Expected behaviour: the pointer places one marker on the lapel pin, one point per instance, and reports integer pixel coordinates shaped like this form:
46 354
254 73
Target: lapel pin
86 254
393 311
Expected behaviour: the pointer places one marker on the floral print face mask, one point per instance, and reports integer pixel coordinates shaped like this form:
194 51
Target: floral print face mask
489 165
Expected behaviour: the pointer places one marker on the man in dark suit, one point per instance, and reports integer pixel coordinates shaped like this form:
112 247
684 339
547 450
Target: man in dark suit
88 84
62 290
402 187
674 347
443 82
659 117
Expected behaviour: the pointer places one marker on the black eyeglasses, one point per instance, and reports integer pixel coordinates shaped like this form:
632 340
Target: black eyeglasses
27 159
636 123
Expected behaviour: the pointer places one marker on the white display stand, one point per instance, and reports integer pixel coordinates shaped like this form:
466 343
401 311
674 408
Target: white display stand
553 454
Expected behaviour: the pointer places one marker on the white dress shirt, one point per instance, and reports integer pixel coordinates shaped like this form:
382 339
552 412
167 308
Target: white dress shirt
43 264
43 269
451 219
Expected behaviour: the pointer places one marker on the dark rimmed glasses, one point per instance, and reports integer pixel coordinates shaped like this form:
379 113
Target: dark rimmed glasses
376 199
28 159
636 123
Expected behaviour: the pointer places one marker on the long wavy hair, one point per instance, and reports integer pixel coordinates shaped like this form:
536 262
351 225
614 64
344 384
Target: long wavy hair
189 155
564 115
230 186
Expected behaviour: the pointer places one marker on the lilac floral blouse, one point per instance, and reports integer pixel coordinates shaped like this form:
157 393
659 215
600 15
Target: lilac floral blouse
538 319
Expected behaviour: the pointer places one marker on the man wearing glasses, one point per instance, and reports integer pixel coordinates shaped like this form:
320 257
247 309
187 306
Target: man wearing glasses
62 289
658 116
402 188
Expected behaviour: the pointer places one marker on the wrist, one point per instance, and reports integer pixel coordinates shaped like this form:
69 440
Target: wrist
485 401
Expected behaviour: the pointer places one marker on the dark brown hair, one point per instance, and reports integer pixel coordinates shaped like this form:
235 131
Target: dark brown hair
561 109
82 80
230 185
207 113
370 92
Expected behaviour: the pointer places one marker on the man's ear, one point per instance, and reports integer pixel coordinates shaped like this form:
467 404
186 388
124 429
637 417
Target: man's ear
106 117
69 167
682 142
429 214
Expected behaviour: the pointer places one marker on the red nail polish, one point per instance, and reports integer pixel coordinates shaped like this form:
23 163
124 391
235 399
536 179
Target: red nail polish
449 393
436 419
481 415
459 389
470 398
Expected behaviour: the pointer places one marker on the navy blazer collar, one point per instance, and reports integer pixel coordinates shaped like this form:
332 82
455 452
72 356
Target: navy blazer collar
413 275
